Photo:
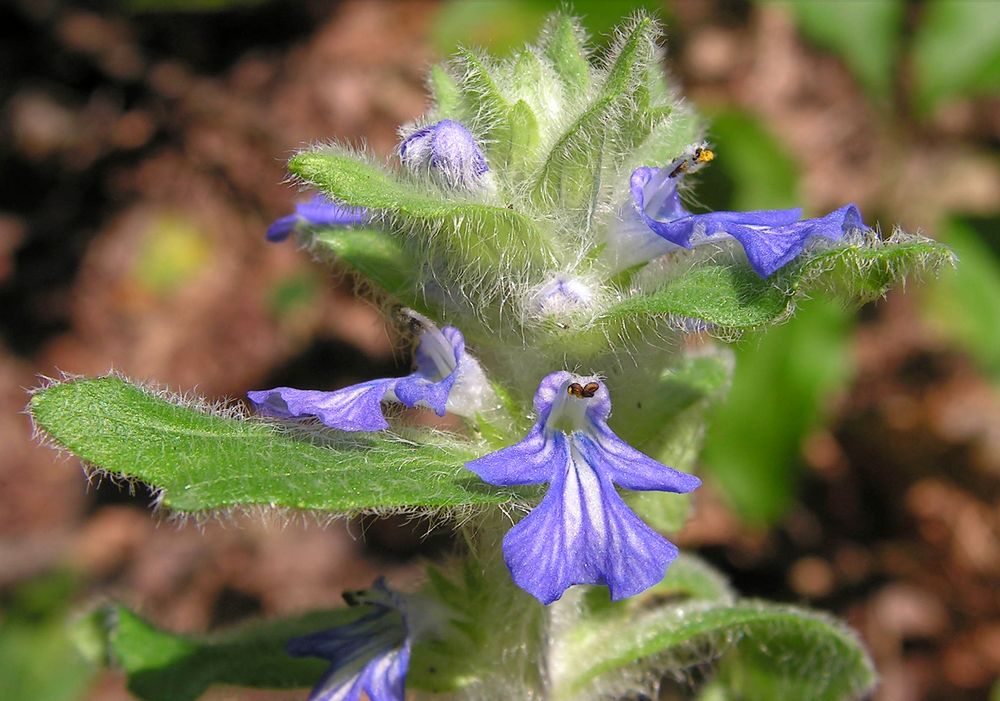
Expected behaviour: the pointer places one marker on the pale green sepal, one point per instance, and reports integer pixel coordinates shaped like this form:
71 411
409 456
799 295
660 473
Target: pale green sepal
563 42
445 94
784 652
484 105
605 132
524 139
201 461
480 244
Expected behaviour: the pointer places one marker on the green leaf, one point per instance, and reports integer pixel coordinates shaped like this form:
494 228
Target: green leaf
164 666
956 51
589 630
777 651
614 124
752 169
733 298
785 652
374 255
865 34
782 386
964 303
563 44
201 461
477 241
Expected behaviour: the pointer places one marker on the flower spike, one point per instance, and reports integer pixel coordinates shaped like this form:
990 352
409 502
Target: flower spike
318 212
582 532
369 656
446 379
448 152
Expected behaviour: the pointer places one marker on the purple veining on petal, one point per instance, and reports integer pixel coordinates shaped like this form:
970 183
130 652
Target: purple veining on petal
440 358
581 532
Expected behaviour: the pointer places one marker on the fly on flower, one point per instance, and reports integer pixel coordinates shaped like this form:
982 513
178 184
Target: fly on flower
446 378
319 212
655 222
369 656
582 532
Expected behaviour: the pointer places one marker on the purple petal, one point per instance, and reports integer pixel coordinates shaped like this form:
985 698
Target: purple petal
629 468
768 250
354 408
446 150
322 211
583 533
532 460
438 358
281 228
367 656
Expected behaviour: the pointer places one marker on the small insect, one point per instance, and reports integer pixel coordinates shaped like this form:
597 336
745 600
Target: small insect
698 157
583 391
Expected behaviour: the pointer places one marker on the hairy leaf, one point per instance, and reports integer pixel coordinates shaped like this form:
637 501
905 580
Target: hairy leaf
777 651
477 240
563 46
200 461
571 175
731 297
374 255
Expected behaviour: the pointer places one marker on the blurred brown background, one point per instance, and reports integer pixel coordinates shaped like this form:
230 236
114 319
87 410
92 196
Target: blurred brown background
141 160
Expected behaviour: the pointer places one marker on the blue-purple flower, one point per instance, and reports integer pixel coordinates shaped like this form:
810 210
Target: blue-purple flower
448 153
582 532
446 378
318 212
655 222
367 656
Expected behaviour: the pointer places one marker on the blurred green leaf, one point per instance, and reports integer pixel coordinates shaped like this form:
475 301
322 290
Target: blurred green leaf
503 25
292 293
38 661
864 33
200 461
964 302
781 387
956 51
751 171
163 666
666 418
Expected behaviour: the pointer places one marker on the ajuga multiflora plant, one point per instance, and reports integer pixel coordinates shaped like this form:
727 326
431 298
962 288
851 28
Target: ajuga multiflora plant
530 239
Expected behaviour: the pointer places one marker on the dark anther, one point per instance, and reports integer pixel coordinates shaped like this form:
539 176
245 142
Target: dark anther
583 391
